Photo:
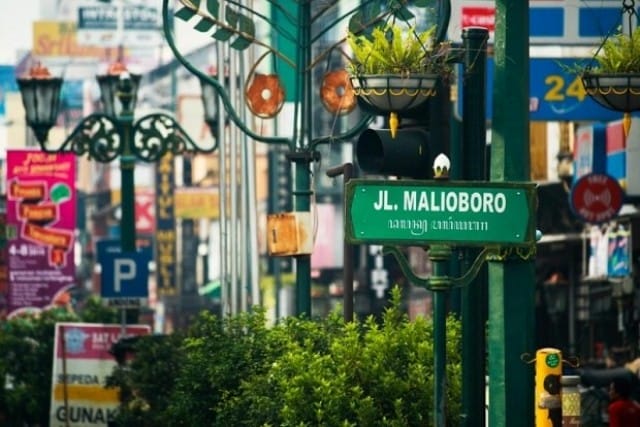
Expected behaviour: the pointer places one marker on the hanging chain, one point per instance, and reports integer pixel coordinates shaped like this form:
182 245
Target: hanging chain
629 7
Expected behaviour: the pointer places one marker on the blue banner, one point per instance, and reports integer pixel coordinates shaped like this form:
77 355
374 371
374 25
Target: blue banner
556 92
7 84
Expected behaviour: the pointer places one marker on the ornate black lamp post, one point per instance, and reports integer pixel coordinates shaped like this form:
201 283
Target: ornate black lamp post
112 134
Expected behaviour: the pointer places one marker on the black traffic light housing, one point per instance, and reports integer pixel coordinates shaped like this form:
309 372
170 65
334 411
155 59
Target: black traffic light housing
280 181
407 154
422 135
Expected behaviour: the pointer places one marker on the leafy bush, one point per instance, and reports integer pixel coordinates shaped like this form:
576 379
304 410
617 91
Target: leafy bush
239 372
620 53
151 374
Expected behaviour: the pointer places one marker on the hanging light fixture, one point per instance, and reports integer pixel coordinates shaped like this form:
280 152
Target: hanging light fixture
118 89
210 100
40 93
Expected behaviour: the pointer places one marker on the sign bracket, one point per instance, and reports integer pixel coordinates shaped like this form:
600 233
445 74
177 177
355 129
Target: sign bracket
440 253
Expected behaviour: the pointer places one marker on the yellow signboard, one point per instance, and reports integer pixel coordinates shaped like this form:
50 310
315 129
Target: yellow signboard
59 39
195 203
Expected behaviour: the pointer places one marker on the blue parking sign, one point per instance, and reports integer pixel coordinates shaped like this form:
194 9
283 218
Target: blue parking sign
125 275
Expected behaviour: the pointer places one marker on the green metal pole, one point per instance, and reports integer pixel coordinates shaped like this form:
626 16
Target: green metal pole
304 153
440 256
511 280
127 199
125 127
302 197
474 295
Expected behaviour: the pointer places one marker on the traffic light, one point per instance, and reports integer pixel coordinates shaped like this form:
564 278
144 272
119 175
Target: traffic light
280 185
423 133
405 155
279 181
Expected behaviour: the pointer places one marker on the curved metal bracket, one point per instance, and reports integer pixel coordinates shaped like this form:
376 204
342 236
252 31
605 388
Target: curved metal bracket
364 122
230 110
428 282
157 134
405 267
103 138
96 136
474 269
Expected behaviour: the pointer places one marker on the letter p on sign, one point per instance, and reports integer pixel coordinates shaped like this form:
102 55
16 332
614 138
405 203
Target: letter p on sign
124 269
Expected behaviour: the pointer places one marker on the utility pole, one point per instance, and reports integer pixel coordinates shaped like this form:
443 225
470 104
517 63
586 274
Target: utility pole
511 276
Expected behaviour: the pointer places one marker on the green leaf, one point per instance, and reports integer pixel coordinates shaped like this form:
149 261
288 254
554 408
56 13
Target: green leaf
403 13
360 22
242 24
241 43
204 25
213 7
185 13
222 34
247 26
232 17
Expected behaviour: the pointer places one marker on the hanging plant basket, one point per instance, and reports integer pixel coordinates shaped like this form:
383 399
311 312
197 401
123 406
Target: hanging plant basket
392 93
615 91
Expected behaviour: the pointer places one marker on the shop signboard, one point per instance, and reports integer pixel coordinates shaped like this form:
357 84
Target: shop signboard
555 92
81 365
134 24
41 220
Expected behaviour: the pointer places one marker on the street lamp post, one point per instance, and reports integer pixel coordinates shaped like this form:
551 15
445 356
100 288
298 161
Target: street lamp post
108 135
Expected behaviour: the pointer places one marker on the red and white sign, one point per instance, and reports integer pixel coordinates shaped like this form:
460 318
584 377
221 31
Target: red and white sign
145 211
596 198
479 16
81 365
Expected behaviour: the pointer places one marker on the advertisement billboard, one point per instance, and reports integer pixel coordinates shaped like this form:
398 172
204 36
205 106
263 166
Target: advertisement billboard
41 220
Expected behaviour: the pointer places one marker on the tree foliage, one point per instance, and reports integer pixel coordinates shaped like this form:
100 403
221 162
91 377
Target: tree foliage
240 372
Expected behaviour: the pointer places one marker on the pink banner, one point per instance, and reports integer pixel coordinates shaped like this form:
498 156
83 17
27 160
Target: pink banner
41 220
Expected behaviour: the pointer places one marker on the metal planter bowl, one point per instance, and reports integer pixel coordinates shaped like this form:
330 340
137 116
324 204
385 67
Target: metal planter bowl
618 92
383 94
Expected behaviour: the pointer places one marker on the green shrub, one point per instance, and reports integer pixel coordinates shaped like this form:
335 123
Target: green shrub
239 372
26 356
147 382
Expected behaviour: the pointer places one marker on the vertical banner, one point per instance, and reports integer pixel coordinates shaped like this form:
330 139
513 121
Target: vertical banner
166 226
41 220
81 365
618 252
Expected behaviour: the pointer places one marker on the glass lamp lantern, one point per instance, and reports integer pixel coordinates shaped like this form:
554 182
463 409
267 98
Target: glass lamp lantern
210 100
118 90
40 93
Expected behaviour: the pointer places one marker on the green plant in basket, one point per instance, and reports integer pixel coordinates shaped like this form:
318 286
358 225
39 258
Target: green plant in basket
394 49
620 53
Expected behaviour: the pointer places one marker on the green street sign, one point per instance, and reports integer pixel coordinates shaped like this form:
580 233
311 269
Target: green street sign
423 212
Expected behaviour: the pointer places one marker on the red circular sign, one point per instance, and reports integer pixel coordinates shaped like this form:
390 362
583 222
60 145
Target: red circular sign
596 198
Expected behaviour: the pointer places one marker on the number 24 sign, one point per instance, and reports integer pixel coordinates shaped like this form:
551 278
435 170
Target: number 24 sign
556 86
556 92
